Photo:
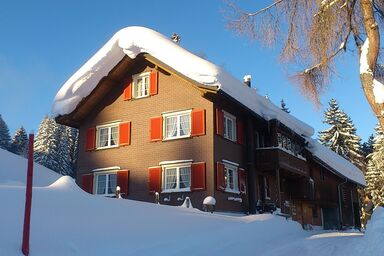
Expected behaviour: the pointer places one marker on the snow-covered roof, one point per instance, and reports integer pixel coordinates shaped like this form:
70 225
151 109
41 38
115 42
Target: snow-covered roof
337 162
132 41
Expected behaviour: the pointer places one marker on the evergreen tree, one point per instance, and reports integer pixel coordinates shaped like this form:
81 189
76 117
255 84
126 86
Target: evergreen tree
341 136
284 107
375 169
5 138
367 146
19 143
56 147
45 145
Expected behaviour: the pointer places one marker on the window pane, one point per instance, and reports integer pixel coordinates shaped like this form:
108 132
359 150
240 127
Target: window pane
171 126
146 86
101 182
114 135
112 183
230 128
103 137
139 87
230 179
184 125
170 178
185 177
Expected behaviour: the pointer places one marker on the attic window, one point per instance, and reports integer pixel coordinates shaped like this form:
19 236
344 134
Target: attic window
140 85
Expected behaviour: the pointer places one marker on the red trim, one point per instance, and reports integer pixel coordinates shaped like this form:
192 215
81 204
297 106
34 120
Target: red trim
219 122
87 182
125 134
220 176
240 131
198 122
122 181
128 89
156 132
153 80
242 178
154 179
90 143
198 176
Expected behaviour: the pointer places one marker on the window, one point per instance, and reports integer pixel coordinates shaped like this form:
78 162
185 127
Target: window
177 125
177 178
107 136
105 183
231 178
229 126
267 190
141 85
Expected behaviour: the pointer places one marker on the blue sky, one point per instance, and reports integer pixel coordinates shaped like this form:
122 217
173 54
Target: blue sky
44 42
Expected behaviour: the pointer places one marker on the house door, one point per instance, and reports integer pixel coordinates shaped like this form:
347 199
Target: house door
330 218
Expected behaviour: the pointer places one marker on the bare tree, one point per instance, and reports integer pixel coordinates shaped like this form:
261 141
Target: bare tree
314 33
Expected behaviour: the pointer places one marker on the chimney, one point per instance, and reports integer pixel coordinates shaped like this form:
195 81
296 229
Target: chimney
247 80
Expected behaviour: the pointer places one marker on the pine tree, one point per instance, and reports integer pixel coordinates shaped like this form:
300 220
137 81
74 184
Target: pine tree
5 138
19 143
367 147
45 145
375 169
284 107
341 136
56 146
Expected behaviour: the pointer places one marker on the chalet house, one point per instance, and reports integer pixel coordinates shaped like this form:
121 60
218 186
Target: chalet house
154 117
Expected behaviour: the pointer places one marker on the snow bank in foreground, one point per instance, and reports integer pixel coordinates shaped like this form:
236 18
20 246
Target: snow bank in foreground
13 171
67 221
132 41
337 162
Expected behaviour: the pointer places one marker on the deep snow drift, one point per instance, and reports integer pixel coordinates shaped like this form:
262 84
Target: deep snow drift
68 221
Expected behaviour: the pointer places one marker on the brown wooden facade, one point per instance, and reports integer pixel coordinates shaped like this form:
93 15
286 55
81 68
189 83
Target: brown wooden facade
270 162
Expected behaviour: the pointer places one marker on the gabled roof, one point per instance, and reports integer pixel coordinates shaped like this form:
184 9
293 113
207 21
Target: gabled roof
132 41
339 164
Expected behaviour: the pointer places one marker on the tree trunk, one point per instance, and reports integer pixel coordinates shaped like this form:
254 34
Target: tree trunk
373 36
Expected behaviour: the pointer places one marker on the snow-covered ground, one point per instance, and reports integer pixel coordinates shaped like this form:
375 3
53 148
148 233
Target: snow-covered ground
68 221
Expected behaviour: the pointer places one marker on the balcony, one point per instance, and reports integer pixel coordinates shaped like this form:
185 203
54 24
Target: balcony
270 159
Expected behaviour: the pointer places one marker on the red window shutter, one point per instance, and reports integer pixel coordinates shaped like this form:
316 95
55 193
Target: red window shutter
198 176
87 182
198 122
156 132
154 179
242 178
240 131
220 177
123 182
219 122
128 89
125 134
90 143
153 80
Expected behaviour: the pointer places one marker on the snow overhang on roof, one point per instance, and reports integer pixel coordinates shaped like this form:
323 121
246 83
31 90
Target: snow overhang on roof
338 163
132 41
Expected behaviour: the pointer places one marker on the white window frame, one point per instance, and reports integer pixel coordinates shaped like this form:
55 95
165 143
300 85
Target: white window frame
267 189
96 184
177 167
227 168
177 114
135 78
109 127
226 117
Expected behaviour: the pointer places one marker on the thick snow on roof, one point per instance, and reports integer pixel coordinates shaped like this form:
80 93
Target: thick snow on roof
132 41
337 162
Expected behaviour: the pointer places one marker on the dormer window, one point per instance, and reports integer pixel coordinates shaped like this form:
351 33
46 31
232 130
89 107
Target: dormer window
141 85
